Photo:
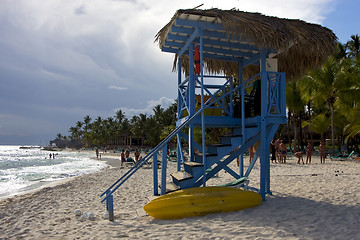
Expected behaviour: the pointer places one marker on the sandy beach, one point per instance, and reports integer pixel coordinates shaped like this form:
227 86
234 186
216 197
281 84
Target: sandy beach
317 201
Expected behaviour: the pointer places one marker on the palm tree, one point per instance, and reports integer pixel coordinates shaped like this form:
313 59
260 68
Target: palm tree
341 52
79 125
353 127
170 115
75 132
350 105
125 127
139 126
153 132
86 129
120 116
306 95
319 124
159 114
87 120
328 85
109 130
354 46
95 136
59 136
296 106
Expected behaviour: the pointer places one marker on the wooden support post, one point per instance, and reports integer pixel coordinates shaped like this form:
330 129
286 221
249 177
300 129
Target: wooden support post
242 99
283 94
155 174
264 157
179 161
110 205
163 169
202 112
191 100
271 133
231 97
180 99
107 200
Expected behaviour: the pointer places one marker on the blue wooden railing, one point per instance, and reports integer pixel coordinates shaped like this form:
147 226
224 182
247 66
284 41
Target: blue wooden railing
108 193
276 99
218 102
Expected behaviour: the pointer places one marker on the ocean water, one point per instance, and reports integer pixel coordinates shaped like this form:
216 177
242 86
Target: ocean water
22 170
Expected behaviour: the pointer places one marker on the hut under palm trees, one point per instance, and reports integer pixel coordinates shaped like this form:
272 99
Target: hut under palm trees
231 74
250 51
299 45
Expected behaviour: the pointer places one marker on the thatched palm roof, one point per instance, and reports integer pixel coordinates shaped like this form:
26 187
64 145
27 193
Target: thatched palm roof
298 45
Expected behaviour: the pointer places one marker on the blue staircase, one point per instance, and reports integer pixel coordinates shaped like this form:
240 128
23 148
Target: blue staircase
107 195
206 161
217 159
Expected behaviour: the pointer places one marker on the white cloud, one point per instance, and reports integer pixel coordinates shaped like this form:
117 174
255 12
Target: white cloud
308 10
163 102
79 52
117 87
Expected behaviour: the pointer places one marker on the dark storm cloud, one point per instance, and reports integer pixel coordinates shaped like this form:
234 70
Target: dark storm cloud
62 60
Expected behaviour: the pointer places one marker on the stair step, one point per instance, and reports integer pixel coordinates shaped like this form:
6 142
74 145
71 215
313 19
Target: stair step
193 164
210 157
207 154
219 145
193 167
234 135
180 176
229 138
216 148
171 187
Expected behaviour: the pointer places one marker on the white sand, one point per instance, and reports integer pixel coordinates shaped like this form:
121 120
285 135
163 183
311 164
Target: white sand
308 202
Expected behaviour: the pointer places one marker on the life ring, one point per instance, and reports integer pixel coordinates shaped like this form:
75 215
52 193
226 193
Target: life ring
197 60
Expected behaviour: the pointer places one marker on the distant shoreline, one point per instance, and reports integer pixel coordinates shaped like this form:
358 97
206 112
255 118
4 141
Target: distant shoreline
41 184
111 159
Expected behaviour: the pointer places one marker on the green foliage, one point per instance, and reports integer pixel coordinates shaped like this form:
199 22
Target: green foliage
333 92
319 124
330 93
294 101
102 132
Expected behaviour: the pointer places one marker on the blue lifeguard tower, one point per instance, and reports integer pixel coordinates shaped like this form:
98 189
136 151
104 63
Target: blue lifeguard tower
231 75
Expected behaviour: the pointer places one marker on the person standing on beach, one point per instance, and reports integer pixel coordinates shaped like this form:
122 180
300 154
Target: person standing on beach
238 158
283 152
322 149
97 152
277 149
309 152
251 154
122 156
273 151
127 153
299 155
137 155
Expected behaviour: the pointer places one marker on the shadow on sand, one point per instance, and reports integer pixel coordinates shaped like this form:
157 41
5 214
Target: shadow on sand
287 216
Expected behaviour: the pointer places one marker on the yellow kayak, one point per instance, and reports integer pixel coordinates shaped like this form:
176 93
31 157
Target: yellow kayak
201 201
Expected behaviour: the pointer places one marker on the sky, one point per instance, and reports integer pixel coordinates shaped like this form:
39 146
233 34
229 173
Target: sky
61 60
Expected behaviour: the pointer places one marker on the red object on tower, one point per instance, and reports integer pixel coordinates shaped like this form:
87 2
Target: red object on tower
197 60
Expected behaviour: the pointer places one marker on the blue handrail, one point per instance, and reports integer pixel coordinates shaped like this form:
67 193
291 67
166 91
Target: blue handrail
144 160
